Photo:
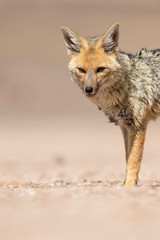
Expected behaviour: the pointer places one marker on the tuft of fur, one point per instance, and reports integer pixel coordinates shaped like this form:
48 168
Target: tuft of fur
125 87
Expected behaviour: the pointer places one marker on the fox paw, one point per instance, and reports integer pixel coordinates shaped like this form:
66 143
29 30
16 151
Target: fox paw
130 182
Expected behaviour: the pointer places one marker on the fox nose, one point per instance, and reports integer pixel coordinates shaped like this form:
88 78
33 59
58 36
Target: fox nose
88 90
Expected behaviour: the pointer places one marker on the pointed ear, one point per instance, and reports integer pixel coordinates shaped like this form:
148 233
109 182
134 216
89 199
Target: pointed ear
72 40
110 38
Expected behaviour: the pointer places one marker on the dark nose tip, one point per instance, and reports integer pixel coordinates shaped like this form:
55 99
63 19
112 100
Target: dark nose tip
89 90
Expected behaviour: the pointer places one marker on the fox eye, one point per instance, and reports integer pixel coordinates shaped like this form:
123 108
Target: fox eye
81 70
100 69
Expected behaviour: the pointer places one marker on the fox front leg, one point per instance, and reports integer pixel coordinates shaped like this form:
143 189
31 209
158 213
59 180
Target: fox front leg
134 143
126 140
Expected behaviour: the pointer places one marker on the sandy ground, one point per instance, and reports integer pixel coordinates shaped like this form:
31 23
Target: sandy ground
62 164
63 181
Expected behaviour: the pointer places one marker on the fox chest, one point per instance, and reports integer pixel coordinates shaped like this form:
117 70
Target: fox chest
107 102
114 109
104 100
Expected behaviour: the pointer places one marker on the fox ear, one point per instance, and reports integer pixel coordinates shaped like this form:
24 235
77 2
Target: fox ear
110 38
72 41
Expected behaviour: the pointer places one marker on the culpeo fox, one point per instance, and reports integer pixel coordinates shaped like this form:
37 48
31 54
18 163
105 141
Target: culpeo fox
125 87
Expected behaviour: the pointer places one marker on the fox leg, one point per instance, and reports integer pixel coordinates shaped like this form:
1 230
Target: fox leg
134 142
126 140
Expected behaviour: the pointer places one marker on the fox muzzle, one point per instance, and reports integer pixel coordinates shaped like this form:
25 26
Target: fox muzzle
88 90
89 87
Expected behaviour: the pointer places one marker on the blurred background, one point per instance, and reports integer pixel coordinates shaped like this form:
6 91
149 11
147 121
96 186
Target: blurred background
49 130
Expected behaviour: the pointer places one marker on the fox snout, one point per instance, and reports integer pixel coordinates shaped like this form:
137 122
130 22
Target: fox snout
90 83
88 90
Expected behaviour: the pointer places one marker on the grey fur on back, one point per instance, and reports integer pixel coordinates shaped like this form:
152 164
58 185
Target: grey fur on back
143 77
136 93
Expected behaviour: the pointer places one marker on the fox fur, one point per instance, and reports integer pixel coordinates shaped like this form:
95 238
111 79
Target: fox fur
125 87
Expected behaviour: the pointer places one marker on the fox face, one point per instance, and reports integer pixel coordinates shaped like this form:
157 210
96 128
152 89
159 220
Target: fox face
92 61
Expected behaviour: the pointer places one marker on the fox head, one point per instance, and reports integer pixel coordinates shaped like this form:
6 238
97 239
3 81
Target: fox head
92 61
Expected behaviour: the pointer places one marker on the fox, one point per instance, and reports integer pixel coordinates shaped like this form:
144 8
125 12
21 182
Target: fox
126 87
